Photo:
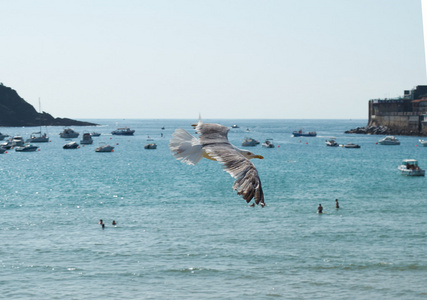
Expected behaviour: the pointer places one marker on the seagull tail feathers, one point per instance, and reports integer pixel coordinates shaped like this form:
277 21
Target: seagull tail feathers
185 147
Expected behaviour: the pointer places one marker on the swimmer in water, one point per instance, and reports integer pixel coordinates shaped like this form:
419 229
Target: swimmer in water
336 204
102 224
320 209
114 223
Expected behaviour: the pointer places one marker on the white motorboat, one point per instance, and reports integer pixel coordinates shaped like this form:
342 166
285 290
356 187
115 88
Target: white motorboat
27 148
331 143
268 143
234 126
17 141
409 167
71 145
105 148
87 139
69 133
249 142
389 140
423 142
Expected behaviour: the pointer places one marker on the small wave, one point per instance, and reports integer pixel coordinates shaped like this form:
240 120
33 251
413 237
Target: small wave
193 270
378 265
274 295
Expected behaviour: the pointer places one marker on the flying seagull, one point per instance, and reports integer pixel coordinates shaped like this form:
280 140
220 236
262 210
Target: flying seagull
213 144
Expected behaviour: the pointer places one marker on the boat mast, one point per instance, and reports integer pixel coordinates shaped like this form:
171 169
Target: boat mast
40 116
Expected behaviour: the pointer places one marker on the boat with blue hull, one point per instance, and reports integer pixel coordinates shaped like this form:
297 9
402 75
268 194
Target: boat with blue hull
302 133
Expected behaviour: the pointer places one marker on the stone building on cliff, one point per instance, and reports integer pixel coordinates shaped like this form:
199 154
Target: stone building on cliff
405 115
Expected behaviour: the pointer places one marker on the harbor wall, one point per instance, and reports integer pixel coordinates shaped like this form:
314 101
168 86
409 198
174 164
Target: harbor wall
399 124
406 115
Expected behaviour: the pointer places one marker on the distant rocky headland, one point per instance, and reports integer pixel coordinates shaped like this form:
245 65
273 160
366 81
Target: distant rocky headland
16 112
405 115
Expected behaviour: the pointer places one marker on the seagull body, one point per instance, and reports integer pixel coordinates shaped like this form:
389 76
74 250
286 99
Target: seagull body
214 145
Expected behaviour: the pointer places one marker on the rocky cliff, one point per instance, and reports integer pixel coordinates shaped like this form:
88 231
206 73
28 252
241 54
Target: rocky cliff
15 111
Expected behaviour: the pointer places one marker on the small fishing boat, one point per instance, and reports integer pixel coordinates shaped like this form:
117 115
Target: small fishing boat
234 126
2 150
409 167
96 134
423 142
302 133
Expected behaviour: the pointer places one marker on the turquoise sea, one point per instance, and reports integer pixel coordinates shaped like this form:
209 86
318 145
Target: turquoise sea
183 233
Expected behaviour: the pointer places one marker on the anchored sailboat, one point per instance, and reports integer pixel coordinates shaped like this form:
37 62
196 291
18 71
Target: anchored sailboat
37 137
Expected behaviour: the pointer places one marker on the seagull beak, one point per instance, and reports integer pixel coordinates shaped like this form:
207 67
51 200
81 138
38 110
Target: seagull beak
259 156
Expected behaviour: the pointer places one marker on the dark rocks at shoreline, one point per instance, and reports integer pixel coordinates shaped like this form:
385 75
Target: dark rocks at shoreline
16 112
382 130
372 129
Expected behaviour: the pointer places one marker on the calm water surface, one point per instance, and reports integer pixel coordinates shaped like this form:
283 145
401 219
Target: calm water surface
183 233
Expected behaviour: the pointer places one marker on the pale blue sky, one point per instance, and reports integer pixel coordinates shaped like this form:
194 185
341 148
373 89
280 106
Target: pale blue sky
286 59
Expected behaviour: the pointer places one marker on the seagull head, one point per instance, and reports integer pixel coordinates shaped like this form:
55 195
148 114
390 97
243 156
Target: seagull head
250 155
